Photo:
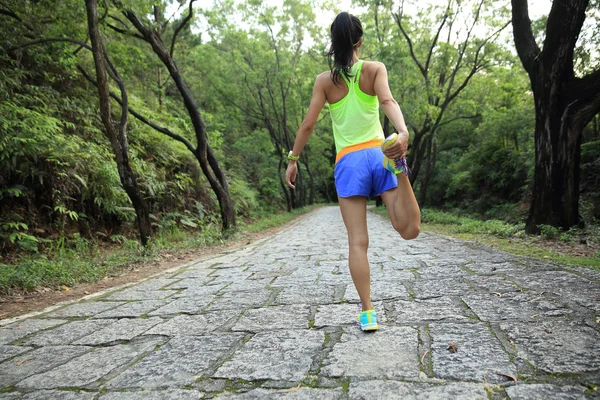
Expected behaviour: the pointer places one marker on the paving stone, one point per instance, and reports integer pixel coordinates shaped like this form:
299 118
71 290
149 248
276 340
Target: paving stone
556 346
190 325
85 309
36 361
380 290
297 278
177 363
155 284
241 300
344 314
199 272
545 392
304 393
123 329
133 309
172 394
488 268
349 358
7 351
585 297
428 288
59 394
249 284
19 330
10 396
67 333
435 270
493 283
270 273
393 390
553 281
337 278
436 309
140 294
89 368
195 288
522 306
479 356
188 305
303 294
273 318
284 355
226 276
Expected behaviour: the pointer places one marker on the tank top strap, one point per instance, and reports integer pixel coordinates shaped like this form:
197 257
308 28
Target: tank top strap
357 74
354 75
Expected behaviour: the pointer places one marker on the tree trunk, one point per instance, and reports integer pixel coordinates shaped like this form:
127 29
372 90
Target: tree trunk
558 134
203 153
564 105
117 137
429 168
417 154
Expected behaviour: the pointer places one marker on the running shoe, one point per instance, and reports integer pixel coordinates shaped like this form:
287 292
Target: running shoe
368 320
397 166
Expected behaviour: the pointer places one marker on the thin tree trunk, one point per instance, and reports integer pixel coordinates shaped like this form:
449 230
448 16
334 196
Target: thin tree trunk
117 137
203 153
430 167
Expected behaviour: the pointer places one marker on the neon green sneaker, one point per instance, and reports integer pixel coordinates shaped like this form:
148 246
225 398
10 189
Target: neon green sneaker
397 166
368 320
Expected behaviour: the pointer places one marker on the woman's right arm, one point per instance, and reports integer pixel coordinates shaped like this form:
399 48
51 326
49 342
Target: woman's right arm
306 128
392 110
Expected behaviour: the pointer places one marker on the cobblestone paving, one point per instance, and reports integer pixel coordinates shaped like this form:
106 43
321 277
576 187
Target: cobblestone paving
276 319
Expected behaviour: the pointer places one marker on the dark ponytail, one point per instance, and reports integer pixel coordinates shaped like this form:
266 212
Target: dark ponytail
346 34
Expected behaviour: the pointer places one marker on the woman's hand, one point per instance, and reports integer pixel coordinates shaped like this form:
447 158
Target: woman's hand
398 149
290 174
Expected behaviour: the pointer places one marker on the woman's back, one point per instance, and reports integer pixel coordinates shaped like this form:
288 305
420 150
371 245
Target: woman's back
335 93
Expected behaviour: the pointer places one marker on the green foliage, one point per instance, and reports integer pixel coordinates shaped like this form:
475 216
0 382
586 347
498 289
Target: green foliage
465 224
548 231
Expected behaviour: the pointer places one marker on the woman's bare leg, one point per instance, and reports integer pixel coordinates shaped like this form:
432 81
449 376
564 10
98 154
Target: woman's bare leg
354 213
403 208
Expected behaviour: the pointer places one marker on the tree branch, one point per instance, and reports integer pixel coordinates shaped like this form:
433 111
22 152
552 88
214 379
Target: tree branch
435 39
180 27
139 116
124 31
457 118
398 18
51 40
562 31
527 48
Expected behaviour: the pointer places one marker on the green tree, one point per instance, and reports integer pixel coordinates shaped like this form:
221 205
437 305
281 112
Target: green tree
446 59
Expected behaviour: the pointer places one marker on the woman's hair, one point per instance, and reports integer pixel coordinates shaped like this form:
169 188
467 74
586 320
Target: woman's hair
346 33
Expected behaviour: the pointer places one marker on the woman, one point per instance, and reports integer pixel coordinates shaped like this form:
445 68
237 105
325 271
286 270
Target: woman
366 164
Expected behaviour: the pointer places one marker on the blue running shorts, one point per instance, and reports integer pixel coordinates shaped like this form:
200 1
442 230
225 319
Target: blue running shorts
361 173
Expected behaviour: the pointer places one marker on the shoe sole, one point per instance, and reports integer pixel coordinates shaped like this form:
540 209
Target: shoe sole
369 328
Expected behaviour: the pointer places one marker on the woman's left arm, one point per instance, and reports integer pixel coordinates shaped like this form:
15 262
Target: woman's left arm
306 128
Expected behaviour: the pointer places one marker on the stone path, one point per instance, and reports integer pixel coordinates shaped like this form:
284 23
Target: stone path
277 320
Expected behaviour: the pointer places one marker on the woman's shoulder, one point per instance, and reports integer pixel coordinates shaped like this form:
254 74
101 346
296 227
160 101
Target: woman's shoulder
323 79
373 65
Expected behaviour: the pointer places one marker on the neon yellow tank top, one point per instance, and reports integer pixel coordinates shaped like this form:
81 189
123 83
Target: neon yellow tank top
355 118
